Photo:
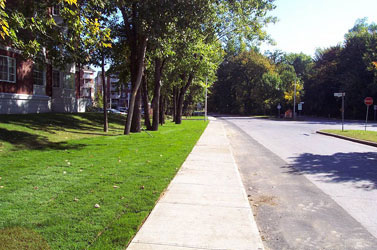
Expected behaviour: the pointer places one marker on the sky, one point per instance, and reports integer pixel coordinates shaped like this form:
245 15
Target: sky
305 25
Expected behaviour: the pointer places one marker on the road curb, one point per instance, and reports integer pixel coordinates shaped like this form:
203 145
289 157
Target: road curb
369 143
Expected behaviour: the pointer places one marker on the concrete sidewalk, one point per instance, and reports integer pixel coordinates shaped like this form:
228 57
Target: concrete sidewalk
205 206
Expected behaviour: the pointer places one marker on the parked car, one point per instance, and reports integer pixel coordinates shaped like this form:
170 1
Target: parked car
115 111
123 109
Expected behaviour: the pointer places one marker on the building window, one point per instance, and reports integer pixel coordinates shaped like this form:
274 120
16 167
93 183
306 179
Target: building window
86 92
7 69
55 79
88 82
88 75
69 80
39 74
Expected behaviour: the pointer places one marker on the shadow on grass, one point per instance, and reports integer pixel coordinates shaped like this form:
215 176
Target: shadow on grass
99 134
23 140
340 167
21 238
51 122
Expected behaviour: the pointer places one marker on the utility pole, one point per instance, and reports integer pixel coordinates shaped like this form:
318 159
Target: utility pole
294 101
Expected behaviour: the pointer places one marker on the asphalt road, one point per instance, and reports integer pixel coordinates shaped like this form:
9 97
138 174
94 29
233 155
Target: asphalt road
309 191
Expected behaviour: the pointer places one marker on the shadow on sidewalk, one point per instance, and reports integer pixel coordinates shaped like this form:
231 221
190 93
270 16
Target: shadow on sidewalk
339 167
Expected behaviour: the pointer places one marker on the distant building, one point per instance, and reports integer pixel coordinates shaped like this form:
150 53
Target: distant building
87 84
118 94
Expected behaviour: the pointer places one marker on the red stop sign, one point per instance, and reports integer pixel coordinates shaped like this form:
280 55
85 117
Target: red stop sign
368 101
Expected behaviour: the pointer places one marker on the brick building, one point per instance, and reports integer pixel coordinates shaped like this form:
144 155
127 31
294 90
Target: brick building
28 87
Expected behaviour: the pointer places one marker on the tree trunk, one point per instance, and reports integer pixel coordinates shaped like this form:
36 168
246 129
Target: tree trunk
144 92
137 68
136 118
79 87
174 103
156 94
181 96
178 115
105 120
162 110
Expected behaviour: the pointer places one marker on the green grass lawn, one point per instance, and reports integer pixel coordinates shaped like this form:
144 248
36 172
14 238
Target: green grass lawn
194 117
55 168
263 116
357 134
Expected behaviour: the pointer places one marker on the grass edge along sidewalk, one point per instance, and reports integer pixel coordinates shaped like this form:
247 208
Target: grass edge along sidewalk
364 137
48 195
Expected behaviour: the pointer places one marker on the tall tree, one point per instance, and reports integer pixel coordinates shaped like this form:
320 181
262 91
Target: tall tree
247 84
145 98
240 21
97 42
144 20
159 65
344 68
323 82
195 62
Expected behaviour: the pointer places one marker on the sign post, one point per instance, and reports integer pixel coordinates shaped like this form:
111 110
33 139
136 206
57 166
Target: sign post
368 101
342 94
375 109
299 108
294 101
279 107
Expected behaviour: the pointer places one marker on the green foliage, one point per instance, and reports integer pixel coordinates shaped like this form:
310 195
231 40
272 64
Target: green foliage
96 37
252 83
99 100
199 57
190 44
31 28
4 26
176 32
348 68
301 63
68 37
248 83
295 87
323 83
243 19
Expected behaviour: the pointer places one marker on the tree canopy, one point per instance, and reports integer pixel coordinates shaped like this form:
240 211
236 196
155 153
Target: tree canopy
345 68
350 67
181 42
